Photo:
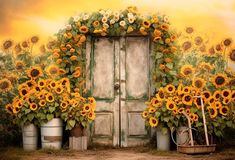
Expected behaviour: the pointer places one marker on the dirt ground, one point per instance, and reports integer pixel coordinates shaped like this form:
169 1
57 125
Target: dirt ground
140 153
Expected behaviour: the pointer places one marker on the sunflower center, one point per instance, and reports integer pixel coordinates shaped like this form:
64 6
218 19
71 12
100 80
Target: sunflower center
87 108
4 85
171 106
225 94
198 101
198 84
187 98
53 84
217 96
224 110
232 55
187 71
53 71
34 106
41 84
146 23
50 97
35 73
7 44
227 42
58 89
154 121
219 80
212 100
170 88
206 95
24 92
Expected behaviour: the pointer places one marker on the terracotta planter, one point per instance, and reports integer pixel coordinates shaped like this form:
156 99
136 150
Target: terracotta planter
78 138
78 131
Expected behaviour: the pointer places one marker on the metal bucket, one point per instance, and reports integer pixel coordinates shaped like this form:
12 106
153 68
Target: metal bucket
30 137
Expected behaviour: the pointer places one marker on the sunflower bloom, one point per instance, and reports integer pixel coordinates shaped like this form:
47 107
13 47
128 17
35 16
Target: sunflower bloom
42 103
187 70
153 121
83 29
226 93
226 101
59 89
19 65
187 99
206 95
33 106
170 89
53 70
34 72
232 55
144 114
155 102
9 109
212 112
50 97
170 105
42 83
218 104
181 110
146 23
91 115
199 83
5 85
224 110
219 80
87 107
216 94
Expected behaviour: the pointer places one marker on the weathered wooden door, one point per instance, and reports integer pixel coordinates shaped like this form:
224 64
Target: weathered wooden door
118 78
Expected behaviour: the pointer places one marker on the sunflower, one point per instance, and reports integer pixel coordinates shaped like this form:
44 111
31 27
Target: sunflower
91 101
191 116
53 84
187 70
33 106
50 97
83 29
146 23
186 90
170 105
5 85
91 115
180 89
188 111
96 24
227 42
186 45
53 70
211 51
224 110
153 121
34 39
170 89
17 48
189 30
152 109
23 91
83 113
164 26
181 110
42 83
219 47
59 89
42 103
9 109
195 118
199 83
87 107
212 112
198 40
29 99
144 114
202 48
30 83
7 44
161 94
226 101
155 102
206 66
197 102
63 105
34 72
226 93
216 94
16 110
25 44
19 65
211 101
218 104
232 55
175 111
157 33
62 71
206 95
187 99
76 74
219 80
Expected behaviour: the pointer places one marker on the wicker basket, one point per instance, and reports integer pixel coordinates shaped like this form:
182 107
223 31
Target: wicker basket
196 149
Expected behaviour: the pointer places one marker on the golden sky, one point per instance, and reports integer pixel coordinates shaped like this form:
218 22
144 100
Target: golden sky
20 19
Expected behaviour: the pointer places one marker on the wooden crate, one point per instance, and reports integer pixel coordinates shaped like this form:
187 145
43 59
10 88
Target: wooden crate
78 143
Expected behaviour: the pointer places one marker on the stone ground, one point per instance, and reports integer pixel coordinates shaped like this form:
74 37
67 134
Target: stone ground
139 153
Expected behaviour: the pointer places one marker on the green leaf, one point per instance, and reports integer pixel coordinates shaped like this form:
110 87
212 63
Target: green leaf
169 65
51 109
164 130
27 111
157 114
229 123
50 117
72 123
30 117
166 119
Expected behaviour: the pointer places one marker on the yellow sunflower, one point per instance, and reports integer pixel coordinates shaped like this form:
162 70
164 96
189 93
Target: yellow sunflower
7 44
5 85
73 58
83 113
34 39
195 118
224 110
161 94
197 102
33 106
87 107
42 83
216 94
50 97
175 111
188 111
206 95
53 84
16 110
181 110
92 102
189 30
232 55
146 23
62 71
53 70
206 66
144 114
83 29
191 116
170 89
227 42
153 121
164 27
170 105
211 101
19 65
187 70
64 104
180 89
199 83
77 74
29 99
59 89
155 102
218 104
9 109
187 99
42 103
152 109
186 90
226 101
212 112
186 45
219 80
226 93
34 72
91 115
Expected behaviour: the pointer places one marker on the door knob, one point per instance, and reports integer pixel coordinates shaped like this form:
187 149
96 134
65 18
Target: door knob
116 86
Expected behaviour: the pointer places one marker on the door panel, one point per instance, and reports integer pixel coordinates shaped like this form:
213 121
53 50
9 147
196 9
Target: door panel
105 128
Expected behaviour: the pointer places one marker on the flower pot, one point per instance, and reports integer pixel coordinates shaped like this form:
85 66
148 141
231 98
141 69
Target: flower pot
78 138
163 140
30 137
182 136
51 134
